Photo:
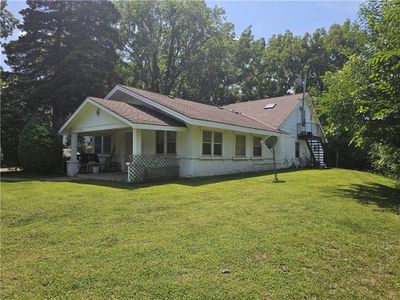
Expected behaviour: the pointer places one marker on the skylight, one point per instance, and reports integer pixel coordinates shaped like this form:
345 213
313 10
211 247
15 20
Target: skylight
269 106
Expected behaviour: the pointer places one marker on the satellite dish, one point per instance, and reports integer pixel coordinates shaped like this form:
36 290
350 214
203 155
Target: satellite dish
270 142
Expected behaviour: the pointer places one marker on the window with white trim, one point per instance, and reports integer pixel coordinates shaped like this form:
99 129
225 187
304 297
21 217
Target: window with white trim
257 149
240 145
165 142
171 142
102 144
212 143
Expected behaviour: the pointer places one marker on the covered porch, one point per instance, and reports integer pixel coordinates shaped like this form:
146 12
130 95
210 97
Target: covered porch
133 154
130 141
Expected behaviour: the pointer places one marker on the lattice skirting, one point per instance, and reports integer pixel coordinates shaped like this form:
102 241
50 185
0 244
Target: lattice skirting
152 167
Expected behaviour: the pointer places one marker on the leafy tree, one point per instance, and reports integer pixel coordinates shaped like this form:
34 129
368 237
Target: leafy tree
39 150
362 100
164 39
285 58
13 118
67 53
7 21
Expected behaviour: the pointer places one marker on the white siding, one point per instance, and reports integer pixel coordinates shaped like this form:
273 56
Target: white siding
194 164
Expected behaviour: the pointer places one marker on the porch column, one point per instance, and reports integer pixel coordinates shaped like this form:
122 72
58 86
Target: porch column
136 141
136 150
73 163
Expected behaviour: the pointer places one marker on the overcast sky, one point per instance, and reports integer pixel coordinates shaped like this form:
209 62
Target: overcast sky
266 17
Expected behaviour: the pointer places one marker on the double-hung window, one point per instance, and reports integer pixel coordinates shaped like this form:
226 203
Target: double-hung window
171 142
165 142
102 144
240 145
257 150
297 150
212 143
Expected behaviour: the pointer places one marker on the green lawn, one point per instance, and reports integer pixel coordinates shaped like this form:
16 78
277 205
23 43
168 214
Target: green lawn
319 234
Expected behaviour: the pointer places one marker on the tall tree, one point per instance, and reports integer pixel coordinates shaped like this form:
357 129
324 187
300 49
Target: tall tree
68 52
362 100
7 21
162 38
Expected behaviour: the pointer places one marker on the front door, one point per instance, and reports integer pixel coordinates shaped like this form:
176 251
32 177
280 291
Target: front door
128 146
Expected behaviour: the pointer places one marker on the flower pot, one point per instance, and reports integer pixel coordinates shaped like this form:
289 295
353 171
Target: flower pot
95 169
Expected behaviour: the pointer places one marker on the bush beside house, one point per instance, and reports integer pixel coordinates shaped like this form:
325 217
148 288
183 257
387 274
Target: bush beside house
39 149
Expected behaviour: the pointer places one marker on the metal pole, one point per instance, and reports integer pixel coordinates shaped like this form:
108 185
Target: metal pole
303 113
273 155
337 158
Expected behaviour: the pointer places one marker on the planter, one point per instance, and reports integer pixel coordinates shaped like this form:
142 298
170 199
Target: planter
95 169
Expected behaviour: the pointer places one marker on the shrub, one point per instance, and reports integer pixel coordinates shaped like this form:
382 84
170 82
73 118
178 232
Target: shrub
39 149
386 160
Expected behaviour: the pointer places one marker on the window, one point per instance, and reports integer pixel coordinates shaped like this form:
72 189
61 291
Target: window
165 142
240 145
297 150
212 143
171 142
160 142
207 142
257 150
217 143
106 144
102 144
97 144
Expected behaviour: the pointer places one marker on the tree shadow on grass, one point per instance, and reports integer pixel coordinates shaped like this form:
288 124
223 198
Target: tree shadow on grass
384 196
191 182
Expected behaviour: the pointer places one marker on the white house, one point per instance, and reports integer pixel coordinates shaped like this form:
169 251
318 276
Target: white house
149 134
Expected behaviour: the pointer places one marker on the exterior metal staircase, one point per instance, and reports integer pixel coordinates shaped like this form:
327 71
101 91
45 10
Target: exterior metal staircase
317 151
312 134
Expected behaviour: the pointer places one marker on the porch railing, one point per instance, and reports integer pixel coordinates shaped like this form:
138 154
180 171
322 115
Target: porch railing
309 129
152 167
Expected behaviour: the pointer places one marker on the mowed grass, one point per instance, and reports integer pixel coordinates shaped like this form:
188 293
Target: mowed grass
319 234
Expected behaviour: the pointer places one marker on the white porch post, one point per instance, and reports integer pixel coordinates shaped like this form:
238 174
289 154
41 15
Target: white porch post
136 150
73 163
136 141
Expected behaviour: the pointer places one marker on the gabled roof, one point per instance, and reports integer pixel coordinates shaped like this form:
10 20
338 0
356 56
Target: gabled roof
138 114
274 116
201 111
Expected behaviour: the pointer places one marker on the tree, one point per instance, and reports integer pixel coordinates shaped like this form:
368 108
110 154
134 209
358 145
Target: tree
362 100
13 118
7 21
67 53
162 40
39 150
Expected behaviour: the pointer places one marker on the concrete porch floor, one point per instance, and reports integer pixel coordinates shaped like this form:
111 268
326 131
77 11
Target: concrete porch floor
121 176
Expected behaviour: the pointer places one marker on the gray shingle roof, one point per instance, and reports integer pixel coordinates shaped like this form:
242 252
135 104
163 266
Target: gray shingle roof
137 114
201 111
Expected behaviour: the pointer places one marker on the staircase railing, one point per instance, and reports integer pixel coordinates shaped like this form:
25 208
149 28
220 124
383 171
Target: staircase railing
309 130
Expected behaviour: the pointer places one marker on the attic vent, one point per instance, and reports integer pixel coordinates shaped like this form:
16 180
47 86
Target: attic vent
269 106
220 107
172 97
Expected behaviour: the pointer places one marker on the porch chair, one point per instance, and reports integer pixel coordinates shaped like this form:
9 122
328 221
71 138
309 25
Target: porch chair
111 164
87 161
